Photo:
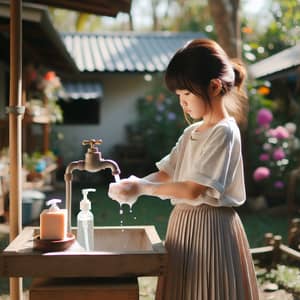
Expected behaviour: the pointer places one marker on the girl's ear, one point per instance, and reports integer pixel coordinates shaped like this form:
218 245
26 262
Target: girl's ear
215 87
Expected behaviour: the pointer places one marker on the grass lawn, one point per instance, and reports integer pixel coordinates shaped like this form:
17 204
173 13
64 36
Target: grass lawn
153 211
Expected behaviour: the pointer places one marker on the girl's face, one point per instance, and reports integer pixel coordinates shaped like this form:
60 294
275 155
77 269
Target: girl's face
192 104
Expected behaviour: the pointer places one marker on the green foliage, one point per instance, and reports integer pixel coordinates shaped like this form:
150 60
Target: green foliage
282 31
37 161
194 16
286 277
160 121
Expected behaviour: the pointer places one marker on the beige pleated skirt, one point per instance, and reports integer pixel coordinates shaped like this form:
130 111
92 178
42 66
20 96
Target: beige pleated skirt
208 256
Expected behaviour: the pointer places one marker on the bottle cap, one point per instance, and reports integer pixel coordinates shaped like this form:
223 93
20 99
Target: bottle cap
53 203
85 203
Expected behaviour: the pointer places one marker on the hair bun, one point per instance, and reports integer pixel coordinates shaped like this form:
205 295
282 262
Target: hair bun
240 73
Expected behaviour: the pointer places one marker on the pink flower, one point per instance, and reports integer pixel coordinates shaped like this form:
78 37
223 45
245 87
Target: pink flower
267 146
261 173
279 184
279 132
278 154
264 157
264 117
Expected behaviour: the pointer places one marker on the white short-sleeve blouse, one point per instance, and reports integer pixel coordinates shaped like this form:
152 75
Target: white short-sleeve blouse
212 158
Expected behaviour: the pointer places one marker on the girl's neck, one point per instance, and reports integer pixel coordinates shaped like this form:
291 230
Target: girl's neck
214 116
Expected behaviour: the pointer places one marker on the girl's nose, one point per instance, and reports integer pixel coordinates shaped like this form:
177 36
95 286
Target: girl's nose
183 103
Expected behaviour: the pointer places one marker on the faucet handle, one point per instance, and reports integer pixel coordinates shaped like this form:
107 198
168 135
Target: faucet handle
92 143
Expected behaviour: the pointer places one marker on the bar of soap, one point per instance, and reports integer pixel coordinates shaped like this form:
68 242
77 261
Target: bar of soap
53 224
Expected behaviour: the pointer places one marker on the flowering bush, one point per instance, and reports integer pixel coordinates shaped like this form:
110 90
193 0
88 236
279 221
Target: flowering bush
160 121
277 146
37 161
44 89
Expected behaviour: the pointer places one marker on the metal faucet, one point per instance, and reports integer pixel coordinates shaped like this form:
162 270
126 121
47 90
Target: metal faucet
93 163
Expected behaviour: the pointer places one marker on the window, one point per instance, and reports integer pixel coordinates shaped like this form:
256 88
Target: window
81 111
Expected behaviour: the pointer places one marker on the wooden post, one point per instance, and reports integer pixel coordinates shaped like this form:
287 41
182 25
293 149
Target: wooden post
276 252
16 111
46 129
291 190
268 238
294 234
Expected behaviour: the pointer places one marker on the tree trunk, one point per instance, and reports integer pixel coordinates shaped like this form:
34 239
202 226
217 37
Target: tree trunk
131 28
155 25
225 14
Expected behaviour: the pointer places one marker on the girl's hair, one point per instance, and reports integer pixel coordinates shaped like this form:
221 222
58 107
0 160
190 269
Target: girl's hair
197 63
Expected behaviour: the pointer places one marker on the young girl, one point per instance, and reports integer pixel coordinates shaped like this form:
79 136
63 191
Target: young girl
208 252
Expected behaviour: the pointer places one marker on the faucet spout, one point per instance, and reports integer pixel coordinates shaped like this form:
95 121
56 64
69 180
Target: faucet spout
93 163
111 164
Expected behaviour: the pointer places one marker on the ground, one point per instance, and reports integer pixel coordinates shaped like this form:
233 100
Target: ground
147 287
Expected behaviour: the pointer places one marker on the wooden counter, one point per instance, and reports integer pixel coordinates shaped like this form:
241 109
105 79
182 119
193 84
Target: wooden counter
120 252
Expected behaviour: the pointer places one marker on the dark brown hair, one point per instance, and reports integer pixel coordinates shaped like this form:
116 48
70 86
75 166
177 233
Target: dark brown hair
197 63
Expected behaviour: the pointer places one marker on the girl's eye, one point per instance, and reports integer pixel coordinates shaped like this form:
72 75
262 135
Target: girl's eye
186 93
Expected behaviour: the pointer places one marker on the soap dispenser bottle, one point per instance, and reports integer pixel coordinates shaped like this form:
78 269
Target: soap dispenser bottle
85 222
53 222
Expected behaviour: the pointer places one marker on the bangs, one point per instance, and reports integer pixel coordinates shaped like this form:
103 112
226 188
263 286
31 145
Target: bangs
176 81
179 81
181 76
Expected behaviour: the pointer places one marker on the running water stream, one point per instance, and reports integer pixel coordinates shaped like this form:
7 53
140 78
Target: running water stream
121 212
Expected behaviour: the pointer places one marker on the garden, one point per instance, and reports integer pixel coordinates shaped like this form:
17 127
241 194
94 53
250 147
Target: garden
271 146
273 153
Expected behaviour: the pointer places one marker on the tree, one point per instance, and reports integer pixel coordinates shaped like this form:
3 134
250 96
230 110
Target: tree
225 14
280 32
283 31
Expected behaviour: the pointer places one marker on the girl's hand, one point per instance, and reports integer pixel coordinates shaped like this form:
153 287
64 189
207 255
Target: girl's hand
127 190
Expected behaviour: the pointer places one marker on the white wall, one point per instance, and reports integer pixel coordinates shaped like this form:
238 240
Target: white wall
117 110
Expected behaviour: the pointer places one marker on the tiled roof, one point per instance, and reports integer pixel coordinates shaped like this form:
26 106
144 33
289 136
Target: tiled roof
125 52
277 63
42 44
83 90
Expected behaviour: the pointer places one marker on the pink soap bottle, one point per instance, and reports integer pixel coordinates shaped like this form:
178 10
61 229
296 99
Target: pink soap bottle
53 222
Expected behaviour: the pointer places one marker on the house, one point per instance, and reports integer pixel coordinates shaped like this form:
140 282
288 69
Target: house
103 75
123 63
282 64
283 71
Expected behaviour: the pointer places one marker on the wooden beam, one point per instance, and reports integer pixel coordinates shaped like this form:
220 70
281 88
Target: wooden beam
15 132
100 7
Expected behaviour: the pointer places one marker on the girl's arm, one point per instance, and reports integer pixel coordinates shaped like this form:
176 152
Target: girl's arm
181 189
158 177
155 184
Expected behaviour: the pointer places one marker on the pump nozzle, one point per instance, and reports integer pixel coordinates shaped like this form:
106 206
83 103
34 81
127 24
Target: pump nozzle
85 203
86 191
53 203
